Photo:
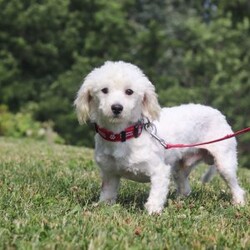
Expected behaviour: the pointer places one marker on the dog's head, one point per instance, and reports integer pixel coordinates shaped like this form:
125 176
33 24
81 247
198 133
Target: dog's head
117 92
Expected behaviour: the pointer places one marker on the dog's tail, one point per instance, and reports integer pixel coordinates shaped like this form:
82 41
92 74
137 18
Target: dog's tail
208 176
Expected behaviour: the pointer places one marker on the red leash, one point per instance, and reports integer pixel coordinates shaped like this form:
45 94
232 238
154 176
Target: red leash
150 127
242 131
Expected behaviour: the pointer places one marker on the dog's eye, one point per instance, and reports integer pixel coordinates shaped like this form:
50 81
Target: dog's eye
105 90
129 91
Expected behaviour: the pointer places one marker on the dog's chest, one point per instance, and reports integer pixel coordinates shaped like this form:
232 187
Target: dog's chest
124 162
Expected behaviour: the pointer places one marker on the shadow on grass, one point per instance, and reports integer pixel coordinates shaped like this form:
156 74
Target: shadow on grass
133 196
134 200
201 196
137 198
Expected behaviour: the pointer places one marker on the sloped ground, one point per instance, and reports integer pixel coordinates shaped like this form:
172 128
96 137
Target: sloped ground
48 195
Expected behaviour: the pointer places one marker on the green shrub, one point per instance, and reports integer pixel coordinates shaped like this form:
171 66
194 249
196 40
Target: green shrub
22 124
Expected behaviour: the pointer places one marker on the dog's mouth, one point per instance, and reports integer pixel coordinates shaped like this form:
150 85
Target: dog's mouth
115 118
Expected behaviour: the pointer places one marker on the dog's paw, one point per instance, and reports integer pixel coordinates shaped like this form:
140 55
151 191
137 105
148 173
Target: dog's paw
239 199
153 209
107 201
183 193
239 203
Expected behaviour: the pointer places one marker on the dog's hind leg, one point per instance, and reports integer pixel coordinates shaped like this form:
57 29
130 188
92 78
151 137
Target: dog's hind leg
180 176
182 170
226 162
209 160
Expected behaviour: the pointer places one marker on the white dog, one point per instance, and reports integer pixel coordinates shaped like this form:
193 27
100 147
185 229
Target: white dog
119 99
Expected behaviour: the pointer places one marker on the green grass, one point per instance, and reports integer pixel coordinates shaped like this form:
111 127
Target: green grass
47 197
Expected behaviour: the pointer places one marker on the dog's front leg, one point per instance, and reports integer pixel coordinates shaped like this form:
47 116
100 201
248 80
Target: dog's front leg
110 185
159 189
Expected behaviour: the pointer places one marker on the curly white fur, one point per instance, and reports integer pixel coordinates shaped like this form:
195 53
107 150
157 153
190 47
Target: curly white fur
143 159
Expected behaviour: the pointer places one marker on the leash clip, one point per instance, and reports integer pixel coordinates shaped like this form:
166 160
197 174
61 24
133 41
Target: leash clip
151 129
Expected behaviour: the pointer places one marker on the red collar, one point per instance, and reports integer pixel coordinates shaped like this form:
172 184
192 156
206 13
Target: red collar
133 131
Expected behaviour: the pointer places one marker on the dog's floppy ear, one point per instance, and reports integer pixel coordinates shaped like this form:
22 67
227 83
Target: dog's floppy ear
82 103
150 105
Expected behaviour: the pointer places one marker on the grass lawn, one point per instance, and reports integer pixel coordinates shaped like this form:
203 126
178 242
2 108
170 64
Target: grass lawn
47 197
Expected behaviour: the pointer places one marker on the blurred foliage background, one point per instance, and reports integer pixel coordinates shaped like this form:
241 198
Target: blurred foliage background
193 51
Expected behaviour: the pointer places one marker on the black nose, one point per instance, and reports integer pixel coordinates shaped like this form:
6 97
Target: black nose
117 109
